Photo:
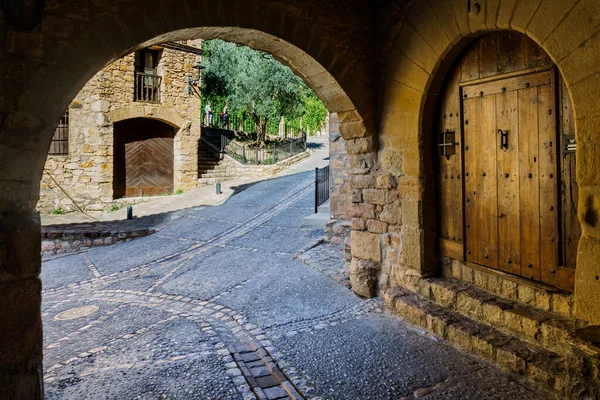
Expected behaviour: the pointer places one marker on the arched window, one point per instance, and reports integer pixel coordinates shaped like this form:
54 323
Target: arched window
506 188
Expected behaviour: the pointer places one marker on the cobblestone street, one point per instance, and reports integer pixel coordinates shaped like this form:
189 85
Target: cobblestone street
239 301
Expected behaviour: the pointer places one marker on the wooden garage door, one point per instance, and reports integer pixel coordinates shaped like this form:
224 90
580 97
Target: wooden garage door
148 157
511 198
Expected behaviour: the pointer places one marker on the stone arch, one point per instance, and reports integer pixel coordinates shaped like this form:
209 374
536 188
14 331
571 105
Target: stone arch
42 70
68 48
158 112
434 33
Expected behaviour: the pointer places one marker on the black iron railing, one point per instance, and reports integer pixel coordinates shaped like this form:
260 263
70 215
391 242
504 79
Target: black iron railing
243 122
244 154
147 87
321 186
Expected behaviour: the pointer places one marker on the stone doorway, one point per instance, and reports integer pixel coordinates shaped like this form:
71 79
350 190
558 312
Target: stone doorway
143 158
506 188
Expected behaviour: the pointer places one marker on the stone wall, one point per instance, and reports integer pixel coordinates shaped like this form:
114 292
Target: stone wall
337 230
84 178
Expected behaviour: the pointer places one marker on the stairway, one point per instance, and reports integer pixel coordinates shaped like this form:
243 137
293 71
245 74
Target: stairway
546 347
213 167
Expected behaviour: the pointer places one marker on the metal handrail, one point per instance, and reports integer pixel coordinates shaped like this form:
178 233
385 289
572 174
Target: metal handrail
321 186
254 155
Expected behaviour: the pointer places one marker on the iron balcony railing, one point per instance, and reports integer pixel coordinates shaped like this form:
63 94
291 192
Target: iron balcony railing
321 186
147 87
254 155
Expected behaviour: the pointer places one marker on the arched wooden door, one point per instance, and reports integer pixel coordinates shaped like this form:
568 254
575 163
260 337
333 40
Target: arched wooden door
143 158
506 187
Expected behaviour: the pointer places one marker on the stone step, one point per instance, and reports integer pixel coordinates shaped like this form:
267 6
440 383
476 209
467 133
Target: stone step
543 328
324 208
570 375
317 220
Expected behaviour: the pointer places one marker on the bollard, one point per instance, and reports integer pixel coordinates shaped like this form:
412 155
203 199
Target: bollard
218 187
129 213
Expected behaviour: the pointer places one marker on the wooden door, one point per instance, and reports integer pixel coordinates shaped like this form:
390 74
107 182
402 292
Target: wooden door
511 197
147 148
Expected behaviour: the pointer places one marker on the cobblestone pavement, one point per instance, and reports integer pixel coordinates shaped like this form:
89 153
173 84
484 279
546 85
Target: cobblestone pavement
238 302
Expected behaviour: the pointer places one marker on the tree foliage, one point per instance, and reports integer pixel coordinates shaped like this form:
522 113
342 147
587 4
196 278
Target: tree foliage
254 83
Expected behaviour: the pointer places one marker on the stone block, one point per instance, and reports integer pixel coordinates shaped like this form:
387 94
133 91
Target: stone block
493 313
366 246
417 49
393 162
360 145
374 196
482 348
443 295
392 214
412 213
508 357
437 325
363 277
386 181
356 196
376 226
358 224
542 300
562 304
466 273
361 161
469 305
480 278
548 16
20 245
355 129
587 280
526 294
578 25
412 247
459 337
362 181
361 210
509 289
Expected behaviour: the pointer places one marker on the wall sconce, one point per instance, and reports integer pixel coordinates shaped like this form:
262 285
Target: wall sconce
192 86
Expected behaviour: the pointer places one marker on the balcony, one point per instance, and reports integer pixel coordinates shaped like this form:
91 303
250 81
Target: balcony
147 87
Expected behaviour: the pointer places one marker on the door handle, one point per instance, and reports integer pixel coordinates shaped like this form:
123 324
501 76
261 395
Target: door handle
503 139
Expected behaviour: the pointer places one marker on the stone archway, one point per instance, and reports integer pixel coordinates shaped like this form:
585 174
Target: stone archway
433 35
43 69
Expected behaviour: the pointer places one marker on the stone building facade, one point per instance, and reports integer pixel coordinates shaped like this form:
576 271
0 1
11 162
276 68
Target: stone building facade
82 174
381 67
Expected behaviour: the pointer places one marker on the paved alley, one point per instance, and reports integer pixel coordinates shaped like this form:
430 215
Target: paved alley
236 302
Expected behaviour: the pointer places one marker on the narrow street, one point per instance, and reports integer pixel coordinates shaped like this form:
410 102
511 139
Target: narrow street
236 302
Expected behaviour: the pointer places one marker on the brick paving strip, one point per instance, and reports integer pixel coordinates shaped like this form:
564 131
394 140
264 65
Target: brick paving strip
256 366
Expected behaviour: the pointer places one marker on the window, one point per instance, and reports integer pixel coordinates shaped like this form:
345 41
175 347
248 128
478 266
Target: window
60 142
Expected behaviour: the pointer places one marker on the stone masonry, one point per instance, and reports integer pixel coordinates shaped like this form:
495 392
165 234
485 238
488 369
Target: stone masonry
378 65
84 178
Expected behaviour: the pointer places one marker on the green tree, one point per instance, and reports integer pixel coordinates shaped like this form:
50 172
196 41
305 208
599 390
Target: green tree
253 82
